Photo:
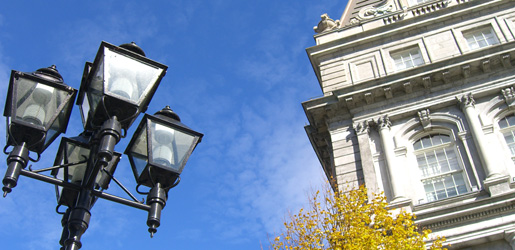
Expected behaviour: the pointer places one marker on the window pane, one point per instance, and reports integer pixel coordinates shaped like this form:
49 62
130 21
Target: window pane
511 120
440 194
426 142
408 64
482 43
430 191
503 123
448 181
458 179
442 161
445 138
440 189
460 183
417 145
431 196
451 191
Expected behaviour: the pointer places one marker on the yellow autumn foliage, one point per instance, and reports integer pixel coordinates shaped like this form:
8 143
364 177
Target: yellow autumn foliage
349 221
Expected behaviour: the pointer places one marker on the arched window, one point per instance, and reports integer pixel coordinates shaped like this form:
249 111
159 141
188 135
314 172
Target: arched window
441 173
507 125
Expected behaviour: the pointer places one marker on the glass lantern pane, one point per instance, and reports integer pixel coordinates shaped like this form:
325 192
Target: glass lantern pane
170 147
37 103
58 124
128 78
138 151
75 154
140 162
94 93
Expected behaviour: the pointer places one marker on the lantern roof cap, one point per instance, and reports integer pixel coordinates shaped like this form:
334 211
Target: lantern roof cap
132 46
168 112
50 73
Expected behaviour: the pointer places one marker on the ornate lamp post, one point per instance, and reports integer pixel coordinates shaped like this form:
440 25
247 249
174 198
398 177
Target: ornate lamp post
115 89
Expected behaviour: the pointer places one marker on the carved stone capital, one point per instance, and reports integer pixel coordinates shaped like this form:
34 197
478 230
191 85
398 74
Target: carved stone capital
383 123
466 101
362 127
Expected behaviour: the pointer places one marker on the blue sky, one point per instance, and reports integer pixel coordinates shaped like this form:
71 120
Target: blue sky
238 72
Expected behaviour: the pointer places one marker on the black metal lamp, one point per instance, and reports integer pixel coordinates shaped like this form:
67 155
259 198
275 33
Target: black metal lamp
37 109
73 157
158 153
120 82
160 148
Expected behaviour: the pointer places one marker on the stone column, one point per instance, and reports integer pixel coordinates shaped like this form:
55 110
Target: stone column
389 154
467 106
495 183
367 163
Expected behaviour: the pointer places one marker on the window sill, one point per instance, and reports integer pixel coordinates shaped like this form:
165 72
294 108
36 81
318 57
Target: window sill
451 201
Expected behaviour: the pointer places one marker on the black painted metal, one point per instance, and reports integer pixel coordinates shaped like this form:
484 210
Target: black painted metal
157 201
16 161
96 193
103 133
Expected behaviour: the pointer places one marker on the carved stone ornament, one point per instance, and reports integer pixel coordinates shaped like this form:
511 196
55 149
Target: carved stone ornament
383 122
326 24
425 118
354 21
362 127
466 100
378 10
509 97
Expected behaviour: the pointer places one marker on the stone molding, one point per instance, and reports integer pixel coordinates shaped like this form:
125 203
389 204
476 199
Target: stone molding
430 7
487 213
375 91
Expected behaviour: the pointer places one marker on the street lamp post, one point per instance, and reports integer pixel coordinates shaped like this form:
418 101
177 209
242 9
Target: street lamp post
115 89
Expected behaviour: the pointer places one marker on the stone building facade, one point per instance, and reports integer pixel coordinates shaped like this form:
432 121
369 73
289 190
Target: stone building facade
419 103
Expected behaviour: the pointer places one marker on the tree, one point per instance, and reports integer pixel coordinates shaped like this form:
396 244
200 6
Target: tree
349 221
